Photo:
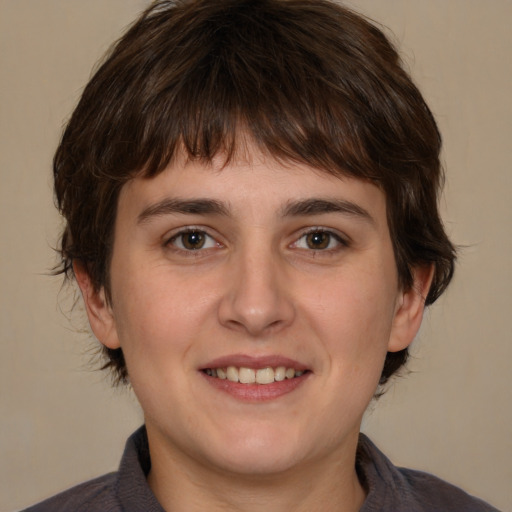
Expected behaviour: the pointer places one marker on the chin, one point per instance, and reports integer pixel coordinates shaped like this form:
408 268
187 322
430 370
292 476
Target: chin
254 455
259 464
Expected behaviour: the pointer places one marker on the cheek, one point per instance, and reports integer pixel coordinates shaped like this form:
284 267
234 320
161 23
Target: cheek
353 315
159 313
154 329
144 315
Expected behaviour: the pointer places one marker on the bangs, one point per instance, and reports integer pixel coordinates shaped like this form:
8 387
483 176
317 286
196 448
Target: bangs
244 73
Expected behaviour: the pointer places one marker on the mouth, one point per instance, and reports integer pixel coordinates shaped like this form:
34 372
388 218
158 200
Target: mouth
255 379
262 376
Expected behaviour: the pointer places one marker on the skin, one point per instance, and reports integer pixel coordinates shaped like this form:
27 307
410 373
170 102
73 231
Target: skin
258 287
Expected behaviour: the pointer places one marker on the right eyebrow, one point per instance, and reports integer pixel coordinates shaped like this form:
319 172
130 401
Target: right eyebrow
183 206
319 206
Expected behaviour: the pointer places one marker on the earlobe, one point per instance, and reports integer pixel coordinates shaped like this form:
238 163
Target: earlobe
409 309
99 312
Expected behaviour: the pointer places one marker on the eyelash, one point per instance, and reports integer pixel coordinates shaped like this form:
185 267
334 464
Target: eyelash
340 241
212 243
191 230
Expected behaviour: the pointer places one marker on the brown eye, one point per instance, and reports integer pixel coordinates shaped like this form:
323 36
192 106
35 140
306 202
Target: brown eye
318 240
192 240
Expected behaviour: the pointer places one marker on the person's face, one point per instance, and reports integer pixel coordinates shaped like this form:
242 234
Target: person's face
255 266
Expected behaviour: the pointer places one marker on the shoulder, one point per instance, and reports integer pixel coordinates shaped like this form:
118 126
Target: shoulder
125 490
405 490
96 495
436 494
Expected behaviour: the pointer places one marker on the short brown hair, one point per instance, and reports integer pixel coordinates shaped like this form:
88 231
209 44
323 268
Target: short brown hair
307 80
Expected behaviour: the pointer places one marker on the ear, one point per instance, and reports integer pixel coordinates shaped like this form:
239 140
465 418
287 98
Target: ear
409 309
99 312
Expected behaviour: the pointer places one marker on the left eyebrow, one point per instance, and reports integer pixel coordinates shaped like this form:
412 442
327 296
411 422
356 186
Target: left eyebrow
183 206
309 207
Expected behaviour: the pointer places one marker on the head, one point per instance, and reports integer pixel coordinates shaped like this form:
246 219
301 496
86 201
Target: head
305 81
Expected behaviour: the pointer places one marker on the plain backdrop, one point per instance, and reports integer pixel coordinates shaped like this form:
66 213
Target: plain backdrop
61 423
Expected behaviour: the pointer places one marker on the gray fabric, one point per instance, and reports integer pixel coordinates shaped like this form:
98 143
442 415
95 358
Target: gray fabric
123 491
392 489
389 489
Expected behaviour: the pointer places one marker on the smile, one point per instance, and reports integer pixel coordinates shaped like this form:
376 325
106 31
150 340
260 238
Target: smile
246 375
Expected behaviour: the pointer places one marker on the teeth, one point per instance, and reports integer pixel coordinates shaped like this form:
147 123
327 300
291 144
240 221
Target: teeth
280 373
265 376
290 373
251 376
232 374
246 376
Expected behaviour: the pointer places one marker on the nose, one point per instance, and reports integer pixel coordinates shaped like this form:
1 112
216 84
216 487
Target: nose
258 299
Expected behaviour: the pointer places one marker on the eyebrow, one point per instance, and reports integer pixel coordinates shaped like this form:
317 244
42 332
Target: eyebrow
306 207
310 207
183 206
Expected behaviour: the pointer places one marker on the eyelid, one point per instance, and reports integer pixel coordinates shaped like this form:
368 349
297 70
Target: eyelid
342 239
169 238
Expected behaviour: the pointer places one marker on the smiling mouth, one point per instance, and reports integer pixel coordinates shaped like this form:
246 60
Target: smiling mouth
246 375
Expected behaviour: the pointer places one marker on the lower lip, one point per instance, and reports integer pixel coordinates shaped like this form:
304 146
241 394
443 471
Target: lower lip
256 392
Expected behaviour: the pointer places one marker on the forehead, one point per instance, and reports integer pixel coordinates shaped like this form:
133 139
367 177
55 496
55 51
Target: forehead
252 182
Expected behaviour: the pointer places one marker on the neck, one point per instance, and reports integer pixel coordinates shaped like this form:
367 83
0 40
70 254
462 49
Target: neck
330 484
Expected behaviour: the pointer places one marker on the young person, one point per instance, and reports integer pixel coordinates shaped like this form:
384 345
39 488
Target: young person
250 193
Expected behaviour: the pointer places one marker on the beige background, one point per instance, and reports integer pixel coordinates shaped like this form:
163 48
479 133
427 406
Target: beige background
61 423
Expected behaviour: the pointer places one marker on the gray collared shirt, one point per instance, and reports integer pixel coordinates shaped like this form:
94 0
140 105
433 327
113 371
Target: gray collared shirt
389 489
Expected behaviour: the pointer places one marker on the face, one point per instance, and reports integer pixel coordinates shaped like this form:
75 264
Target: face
255 304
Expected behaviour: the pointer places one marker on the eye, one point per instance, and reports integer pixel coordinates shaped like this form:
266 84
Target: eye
192 240
319 240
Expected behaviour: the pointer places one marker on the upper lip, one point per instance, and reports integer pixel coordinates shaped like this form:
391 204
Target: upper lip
255 362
